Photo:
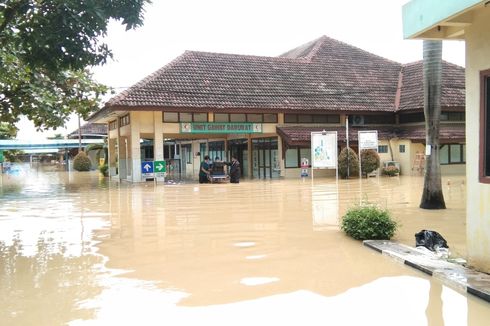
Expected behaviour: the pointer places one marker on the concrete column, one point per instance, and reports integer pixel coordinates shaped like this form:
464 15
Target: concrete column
282 165
111 142
250 157
158 136
135 148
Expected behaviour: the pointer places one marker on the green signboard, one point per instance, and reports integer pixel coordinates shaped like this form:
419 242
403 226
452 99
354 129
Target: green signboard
160 166
220 128
1 156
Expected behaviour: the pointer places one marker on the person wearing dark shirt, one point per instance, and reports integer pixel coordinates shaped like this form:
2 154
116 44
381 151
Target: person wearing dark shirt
234 170
204 170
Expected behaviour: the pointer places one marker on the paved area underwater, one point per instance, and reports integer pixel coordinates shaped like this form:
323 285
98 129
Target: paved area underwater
454 275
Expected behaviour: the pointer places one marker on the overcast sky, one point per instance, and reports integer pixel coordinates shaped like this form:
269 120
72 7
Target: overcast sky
255 27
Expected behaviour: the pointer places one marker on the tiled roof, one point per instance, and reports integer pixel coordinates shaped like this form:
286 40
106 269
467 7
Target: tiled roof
322 75
90 129
412 92
447 133
301 135
337 77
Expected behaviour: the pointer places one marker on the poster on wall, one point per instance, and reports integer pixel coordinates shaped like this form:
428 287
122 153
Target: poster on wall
324 150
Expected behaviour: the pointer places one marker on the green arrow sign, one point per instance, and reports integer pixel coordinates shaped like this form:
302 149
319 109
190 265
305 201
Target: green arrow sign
1 156
160 166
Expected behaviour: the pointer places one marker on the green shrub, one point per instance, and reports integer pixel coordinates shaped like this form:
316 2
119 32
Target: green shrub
368 221
82 162
369 161
104 169
353 163
391 170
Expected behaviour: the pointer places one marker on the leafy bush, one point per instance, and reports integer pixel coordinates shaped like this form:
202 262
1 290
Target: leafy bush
82 162
104 169
353 163
391 170
368 221
369 161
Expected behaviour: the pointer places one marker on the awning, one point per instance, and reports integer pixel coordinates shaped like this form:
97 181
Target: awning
301 135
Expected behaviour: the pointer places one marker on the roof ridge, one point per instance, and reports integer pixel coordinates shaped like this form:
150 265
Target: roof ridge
248 56
325 38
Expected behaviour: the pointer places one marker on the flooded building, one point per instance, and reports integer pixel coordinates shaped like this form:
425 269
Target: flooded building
467 20
263 110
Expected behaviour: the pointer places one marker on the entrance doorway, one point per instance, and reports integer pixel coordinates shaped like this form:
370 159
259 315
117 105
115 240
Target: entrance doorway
265 158
238 148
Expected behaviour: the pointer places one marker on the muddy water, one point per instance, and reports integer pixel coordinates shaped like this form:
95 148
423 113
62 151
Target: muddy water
75 249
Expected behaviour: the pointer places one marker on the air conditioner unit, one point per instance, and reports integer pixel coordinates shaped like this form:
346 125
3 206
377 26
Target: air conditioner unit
357 120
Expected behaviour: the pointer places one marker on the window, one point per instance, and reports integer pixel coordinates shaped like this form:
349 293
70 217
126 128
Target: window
124 120
113 125
412 117
305 118
401 148
311 118
305 153
203 149
221 117
383 149
238 117
452 116
184 117
170 117
200 117
255 117
484 127
270 118
452 154
187 153
379 119
292 158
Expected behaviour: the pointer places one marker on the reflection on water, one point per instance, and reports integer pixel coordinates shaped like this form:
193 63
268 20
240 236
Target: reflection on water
78 249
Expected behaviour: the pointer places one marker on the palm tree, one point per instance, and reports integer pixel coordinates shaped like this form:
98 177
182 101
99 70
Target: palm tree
432 197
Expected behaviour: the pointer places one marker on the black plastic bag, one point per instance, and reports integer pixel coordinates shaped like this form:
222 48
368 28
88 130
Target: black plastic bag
431 240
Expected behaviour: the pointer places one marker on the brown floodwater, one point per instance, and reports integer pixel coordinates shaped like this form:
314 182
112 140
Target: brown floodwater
79 250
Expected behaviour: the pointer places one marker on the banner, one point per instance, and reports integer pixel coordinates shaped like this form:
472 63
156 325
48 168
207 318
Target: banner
220 128
324 150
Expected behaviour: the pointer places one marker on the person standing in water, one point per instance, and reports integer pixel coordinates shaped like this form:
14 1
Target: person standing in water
204 170
234 170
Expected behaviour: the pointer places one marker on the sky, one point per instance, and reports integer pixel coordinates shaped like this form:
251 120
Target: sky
253 27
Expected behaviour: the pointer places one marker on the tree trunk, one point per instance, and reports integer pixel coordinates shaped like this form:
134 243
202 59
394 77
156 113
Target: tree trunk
432 197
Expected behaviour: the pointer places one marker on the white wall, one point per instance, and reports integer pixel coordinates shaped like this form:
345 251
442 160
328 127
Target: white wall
478 207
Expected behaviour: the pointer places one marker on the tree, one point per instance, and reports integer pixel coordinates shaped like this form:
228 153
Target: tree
8 131
45 50
370 161
57 136
432 196
348 157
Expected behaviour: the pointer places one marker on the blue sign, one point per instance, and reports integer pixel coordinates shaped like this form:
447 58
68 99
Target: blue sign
147 168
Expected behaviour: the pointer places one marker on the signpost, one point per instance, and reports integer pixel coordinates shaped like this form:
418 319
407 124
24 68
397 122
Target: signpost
367 140
1 156
160 169
147 169
324 151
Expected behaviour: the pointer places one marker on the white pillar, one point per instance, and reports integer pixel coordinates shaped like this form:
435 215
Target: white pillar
280 153
158 136
135 148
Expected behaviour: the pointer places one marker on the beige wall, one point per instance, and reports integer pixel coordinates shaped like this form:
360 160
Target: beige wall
478 208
